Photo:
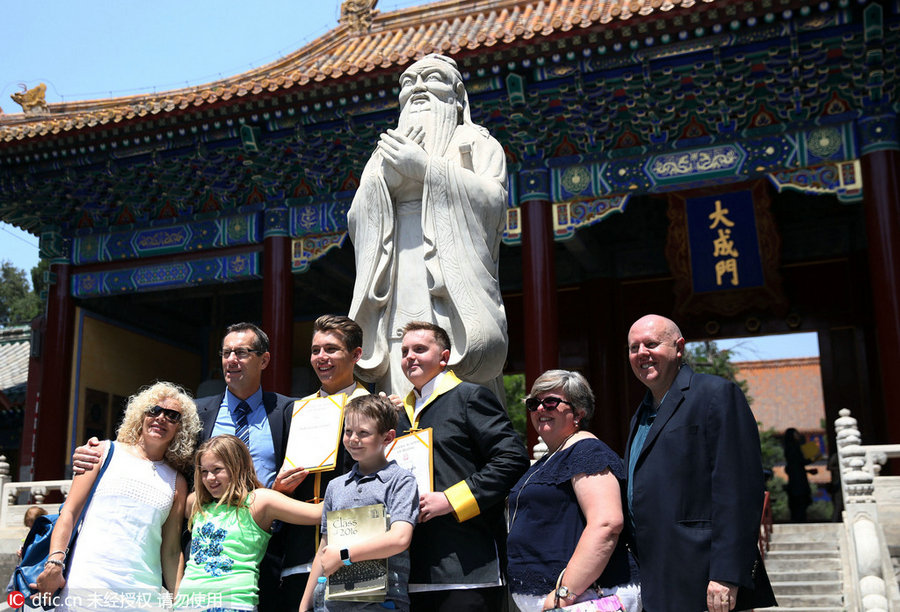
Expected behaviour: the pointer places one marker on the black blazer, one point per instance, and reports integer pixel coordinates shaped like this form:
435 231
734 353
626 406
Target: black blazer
697 497
473 441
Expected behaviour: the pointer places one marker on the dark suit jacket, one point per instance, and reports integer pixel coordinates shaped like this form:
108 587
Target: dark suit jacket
473 441
697 497
278 411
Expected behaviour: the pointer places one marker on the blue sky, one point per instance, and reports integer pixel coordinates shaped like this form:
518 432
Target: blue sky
90 49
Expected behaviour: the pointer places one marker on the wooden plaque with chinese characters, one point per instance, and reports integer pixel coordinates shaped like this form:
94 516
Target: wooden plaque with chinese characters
723 250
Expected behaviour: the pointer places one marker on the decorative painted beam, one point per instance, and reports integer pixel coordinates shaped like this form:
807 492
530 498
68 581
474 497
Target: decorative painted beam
842 179
243 266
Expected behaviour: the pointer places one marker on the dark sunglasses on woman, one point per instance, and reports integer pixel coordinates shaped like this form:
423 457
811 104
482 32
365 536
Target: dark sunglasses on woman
551 402
172 416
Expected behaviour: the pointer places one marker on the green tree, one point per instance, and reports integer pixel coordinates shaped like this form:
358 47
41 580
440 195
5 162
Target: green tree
37 276
18 303
707 358
772 449
514 386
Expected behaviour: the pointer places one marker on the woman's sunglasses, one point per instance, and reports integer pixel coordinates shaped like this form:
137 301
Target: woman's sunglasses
551 402
172 416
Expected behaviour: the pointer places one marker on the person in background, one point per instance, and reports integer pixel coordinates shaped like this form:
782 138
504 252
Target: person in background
566 541
32 513
695 482
129 545
30 516
797 487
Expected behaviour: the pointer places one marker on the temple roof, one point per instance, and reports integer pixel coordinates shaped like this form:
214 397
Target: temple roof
390 40
15 347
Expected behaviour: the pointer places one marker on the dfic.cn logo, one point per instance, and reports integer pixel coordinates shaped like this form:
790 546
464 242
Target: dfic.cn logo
15 599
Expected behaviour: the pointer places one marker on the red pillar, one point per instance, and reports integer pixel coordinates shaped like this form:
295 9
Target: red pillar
52 405
538 281
27 451
278 312
881 187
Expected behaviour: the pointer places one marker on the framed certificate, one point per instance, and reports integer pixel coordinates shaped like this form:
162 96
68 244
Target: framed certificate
315 434
414 452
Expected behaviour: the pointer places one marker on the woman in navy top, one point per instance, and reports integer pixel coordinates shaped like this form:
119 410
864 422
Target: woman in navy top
566 525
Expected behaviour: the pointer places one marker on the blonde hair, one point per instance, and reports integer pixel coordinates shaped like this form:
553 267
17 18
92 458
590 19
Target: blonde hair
236 457
181 448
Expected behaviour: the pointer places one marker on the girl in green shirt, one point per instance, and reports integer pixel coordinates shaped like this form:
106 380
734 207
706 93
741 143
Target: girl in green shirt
230 515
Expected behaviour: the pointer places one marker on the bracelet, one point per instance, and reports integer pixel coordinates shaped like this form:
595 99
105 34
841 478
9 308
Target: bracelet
64 553
55 562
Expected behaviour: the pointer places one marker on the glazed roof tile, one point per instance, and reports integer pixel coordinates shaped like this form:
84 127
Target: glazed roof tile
15 348
394 39
786 392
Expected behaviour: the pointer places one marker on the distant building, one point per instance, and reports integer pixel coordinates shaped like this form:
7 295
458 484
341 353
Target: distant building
15 348
788 393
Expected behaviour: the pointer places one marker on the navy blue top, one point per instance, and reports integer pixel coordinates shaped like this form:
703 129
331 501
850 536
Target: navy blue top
546 520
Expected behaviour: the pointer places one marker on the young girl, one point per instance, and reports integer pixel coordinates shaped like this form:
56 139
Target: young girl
230 515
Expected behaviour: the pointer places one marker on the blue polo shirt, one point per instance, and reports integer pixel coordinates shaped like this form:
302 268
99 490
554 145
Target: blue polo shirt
392 486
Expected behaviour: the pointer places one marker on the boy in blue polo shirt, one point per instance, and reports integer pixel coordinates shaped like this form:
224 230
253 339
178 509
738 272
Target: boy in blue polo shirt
370 424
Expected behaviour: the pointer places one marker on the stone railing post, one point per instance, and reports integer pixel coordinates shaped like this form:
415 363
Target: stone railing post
4 471
868 548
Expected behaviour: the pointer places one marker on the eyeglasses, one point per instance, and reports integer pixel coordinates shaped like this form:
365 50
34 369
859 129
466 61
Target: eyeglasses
551 402
172 416
241 353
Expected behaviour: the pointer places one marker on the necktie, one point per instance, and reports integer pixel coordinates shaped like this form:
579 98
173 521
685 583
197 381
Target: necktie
241 428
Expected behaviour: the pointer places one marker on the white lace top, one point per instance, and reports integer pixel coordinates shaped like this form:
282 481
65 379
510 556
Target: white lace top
116 562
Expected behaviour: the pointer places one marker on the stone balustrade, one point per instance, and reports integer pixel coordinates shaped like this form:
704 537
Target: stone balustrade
19 496
874 584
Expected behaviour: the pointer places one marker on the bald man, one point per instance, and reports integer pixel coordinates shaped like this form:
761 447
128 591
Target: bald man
695 482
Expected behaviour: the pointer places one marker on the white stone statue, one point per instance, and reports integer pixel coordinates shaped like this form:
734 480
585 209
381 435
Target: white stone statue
425 225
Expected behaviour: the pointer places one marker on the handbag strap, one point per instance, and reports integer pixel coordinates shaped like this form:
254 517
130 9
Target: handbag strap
87 502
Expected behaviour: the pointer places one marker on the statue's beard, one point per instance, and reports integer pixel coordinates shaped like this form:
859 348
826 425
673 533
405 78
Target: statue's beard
438 120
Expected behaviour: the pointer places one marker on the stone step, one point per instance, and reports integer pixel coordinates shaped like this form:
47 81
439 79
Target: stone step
813 572
806 532
807 608
780 544
791 602
802 555
808 587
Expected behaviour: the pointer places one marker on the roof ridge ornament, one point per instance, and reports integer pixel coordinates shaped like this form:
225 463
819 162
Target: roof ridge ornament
357 15
32 100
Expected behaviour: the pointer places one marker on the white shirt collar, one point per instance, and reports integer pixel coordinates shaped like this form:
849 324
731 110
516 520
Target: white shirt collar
427 391
348 391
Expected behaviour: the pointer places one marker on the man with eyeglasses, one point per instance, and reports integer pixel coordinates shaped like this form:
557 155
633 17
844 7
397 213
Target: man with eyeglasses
695 482
458 551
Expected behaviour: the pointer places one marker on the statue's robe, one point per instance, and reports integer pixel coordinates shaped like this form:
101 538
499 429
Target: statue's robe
441 253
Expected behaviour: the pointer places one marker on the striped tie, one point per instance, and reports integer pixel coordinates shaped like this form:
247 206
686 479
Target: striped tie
241 428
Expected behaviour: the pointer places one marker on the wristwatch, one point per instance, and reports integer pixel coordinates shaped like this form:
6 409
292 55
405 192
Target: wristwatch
345 556
565 592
